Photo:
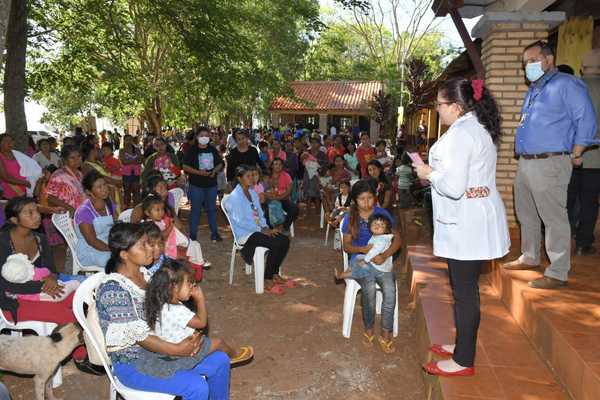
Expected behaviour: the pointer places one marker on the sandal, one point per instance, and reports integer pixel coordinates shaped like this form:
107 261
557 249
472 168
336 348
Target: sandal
387 345
289 284
276 289
368 339
246 353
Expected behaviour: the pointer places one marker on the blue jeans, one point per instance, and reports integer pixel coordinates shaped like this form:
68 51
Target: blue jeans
190 384
203 198
387 282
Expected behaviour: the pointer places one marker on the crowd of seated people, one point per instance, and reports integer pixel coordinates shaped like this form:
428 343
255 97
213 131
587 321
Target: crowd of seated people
266 174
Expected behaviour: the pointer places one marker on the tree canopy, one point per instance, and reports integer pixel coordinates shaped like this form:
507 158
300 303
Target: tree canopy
169 61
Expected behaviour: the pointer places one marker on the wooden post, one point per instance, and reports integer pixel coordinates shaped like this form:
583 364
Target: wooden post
474 54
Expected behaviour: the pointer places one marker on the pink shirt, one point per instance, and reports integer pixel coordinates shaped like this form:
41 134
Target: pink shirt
283 183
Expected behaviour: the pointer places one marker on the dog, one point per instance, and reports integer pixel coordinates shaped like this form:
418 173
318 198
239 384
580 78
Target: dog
39 356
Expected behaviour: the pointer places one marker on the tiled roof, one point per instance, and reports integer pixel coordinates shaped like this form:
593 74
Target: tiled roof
328 95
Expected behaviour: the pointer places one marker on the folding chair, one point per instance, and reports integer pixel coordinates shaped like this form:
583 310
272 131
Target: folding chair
64 224
260 255
85 295
125 216
177 196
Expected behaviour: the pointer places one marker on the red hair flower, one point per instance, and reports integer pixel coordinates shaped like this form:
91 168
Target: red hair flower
477 85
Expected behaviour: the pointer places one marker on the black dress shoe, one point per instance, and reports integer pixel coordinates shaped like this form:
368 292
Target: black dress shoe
585 250
89 368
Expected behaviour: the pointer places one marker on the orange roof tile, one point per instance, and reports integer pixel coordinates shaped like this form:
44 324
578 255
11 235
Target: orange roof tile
328 95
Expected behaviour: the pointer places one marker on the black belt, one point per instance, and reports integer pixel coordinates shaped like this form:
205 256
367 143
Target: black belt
544 155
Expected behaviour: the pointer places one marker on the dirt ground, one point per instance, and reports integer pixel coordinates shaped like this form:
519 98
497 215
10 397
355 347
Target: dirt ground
300 351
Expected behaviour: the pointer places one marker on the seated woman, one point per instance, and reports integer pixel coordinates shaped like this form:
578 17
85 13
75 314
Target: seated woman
18 236
64 186
163 161
281 188
140 359
13 184
356 238
93 220
93 162
250 228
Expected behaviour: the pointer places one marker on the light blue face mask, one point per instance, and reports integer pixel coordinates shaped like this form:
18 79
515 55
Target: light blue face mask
534 71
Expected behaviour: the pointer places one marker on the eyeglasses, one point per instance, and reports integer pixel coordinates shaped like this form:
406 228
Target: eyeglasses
439 103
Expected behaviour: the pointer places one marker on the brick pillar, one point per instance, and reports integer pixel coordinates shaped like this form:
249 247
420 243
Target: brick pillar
505 35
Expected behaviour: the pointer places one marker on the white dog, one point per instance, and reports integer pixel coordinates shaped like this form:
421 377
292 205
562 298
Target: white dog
39 356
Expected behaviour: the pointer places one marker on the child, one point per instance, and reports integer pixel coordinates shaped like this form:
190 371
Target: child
381 155
177 245
404 172
173 322
341 204
41 194
157 244
112 164
263 153
258 186
381 228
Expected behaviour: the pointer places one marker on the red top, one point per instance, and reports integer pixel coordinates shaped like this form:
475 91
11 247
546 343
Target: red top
113 166
283 182
364 156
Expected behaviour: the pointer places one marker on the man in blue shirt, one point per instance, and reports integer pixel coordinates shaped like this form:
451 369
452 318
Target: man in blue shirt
558 122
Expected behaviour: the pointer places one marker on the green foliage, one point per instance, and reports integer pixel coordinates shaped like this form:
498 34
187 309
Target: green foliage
171 61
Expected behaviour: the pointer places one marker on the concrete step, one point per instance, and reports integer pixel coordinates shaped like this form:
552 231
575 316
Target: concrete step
507 366
563 325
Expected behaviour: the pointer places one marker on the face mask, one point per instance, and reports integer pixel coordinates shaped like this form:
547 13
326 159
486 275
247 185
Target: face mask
534 71
203 140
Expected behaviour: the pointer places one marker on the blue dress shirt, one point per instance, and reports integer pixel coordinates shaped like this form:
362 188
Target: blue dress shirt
243 214
556 115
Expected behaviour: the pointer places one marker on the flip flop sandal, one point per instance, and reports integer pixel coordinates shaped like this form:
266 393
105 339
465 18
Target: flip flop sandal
387 346
290 284
368 339
276 289
246 353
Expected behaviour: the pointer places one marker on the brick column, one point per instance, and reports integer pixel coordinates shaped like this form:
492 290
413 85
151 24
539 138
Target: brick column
505 35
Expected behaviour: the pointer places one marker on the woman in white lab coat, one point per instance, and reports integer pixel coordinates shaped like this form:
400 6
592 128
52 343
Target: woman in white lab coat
468 213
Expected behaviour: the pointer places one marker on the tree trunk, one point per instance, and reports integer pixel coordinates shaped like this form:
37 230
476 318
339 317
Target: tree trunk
154 115
14 74
4 14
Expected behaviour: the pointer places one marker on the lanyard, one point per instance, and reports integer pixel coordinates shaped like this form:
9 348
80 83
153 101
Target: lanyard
534 97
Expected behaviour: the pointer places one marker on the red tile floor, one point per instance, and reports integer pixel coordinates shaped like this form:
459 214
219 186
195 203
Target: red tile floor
533 344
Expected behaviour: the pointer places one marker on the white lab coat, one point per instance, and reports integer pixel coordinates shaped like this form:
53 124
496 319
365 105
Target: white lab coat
466 229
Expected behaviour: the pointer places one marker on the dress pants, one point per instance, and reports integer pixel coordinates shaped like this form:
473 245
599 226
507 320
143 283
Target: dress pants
584 189
541 196
464 280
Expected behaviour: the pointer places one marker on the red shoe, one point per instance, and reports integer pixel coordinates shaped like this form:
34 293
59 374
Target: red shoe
432 369
276 289
439 350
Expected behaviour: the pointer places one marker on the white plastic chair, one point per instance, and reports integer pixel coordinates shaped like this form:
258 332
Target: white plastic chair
125 216
177 196
84 295
322 220
64 224
259 259
352 288
40 328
